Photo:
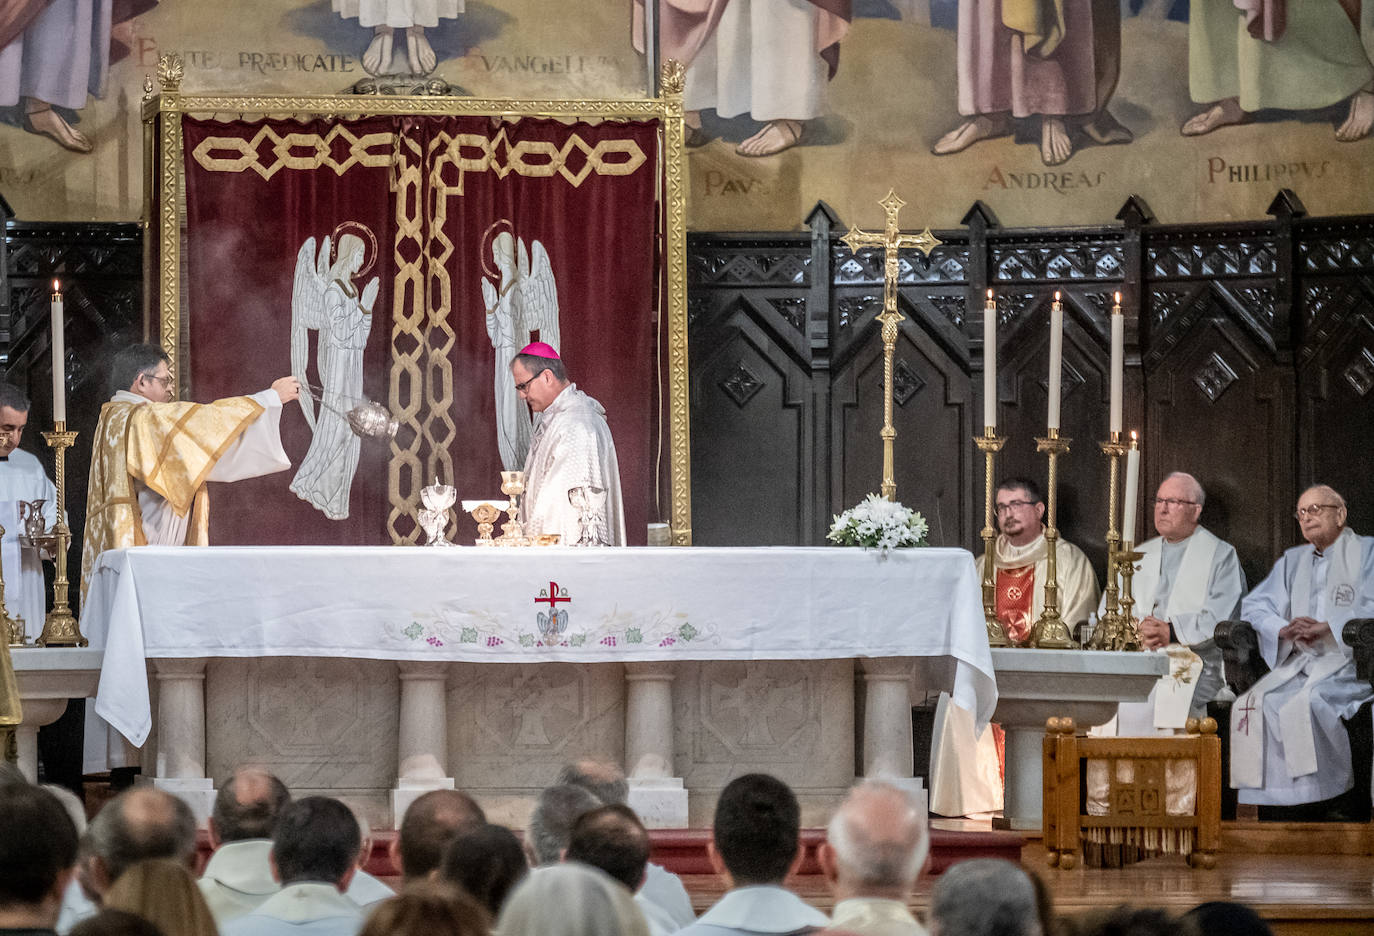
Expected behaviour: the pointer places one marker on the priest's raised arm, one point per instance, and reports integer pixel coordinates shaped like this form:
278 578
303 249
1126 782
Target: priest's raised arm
572 478
151 457
1288 744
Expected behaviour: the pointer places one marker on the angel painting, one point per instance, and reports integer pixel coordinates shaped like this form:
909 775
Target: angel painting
521 299
326 300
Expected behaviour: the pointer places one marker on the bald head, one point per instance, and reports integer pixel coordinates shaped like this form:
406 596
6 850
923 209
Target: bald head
247 806
137 825
876 843
430 824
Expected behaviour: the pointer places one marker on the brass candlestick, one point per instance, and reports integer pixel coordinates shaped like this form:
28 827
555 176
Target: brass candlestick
990 443
1109 625
1050 632
13 627
60 628
1128 637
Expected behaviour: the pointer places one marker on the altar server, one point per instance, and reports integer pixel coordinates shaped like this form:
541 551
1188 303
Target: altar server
1187 582
1288 746
151 457
572 478
22 478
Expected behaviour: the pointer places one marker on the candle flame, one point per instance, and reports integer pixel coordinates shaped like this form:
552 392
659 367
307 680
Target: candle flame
1056 295
1118 298
989 295
56 286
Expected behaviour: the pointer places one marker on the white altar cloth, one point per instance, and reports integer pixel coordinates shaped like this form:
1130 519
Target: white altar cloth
494 605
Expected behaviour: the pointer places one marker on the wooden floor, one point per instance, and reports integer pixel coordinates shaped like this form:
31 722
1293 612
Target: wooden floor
1305 879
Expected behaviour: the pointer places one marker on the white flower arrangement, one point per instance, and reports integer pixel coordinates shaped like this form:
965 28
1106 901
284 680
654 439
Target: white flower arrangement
879 523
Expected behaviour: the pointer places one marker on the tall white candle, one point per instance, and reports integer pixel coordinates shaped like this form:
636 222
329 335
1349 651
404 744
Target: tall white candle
1132 494
1056 359
59 357
990 362
1118 363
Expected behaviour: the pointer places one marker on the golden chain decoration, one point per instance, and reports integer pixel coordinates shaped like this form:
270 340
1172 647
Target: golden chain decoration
439 429
405 477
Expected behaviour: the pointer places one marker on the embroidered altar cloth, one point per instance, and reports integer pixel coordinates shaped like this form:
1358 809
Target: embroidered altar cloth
531 605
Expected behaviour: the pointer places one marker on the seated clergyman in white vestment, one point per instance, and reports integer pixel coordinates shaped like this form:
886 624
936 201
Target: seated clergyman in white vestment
150 461
1187 582
964 776
22 480
572 478
1288 745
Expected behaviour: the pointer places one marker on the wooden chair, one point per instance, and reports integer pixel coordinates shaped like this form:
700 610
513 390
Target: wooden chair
1133 775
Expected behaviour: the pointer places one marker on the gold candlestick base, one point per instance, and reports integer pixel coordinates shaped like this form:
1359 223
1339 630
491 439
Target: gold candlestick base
59 627
1050 632
1106 635
1125 631
990 443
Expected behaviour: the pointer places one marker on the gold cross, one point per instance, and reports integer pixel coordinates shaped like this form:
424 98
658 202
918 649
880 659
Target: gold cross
891 239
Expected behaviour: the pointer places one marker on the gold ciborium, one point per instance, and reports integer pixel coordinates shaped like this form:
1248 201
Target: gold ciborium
486 514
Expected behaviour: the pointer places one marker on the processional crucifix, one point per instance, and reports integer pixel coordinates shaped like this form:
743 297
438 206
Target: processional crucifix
891 239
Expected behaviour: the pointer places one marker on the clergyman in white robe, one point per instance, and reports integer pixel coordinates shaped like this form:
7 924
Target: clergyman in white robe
1288 745
571 448
22 478
1193 584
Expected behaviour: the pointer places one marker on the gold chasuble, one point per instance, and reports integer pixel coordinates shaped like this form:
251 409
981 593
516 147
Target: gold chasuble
171 448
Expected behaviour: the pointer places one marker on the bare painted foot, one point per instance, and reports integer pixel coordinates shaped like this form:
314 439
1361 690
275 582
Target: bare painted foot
970 132
1105 130
1360 120
377 58
1055 146
777 136
419 53
49 123
1225 113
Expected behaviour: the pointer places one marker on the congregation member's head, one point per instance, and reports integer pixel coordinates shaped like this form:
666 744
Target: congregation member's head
165 894
613 839
428 908
428 826
1136 921
1178 506
551 822
316 840
137 825
1224 918
756 833
14 416
571 900
115 923
984 897
603 779
37 856
539 375
1020 508
876 843
1321 515
143 370
486 861
247 806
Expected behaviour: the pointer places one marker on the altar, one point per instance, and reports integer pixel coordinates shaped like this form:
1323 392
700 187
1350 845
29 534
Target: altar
374 674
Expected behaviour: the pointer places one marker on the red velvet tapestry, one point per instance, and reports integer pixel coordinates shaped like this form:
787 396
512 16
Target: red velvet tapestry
481 234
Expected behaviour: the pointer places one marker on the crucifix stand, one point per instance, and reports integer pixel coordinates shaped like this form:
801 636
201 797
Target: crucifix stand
891 239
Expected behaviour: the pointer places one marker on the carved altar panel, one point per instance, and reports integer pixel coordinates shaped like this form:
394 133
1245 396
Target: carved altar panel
321 724
932 413
753 479
511 727
794 720
1221 408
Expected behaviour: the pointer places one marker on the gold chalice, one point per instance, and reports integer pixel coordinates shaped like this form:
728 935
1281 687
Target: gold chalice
486 514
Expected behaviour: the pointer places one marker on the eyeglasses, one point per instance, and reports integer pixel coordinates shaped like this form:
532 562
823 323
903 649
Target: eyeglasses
520 387
1313 511
165 381
1173 503
1009 506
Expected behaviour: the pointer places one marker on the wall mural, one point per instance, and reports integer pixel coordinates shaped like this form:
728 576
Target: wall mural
1051 111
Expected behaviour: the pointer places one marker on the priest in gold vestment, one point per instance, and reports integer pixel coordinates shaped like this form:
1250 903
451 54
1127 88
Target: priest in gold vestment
152 457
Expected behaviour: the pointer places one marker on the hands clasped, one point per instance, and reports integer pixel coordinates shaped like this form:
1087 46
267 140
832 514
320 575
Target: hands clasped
1305 630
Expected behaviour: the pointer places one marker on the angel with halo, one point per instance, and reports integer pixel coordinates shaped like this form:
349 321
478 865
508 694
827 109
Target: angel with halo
521 299
325 299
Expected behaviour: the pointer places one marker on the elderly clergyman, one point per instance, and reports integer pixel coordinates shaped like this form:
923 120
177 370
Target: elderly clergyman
876 844
1187 582
572 478
1288 746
